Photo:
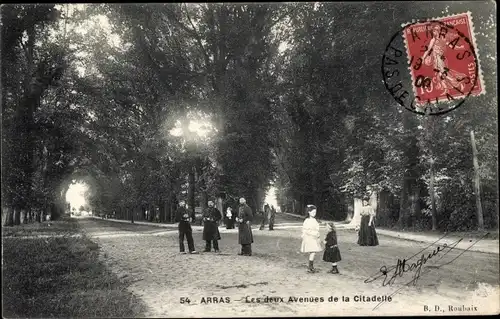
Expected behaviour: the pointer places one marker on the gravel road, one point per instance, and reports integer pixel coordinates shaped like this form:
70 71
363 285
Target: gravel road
162 277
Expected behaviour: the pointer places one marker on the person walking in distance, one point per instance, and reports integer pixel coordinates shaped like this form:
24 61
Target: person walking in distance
211 217
245 236
310 237
266 215
272 218
182 216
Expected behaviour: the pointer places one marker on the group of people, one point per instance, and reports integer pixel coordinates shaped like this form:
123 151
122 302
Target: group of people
269 216
311 244
211 235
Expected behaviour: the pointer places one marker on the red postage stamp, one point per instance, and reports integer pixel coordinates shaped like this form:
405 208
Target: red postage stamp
443 59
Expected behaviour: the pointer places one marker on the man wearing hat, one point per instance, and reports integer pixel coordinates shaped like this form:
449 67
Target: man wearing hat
182 216
211 217
245 237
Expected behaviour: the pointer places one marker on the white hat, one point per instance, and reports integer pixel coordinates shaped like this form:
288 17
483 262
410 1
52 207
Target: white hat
311 210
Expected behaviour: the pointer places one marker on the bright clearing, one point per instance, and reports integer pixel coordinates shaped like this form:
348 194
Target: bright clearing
76 195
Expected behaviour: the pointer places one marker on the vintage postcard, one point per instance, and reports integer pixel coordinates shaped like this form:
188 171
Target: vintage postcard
198 160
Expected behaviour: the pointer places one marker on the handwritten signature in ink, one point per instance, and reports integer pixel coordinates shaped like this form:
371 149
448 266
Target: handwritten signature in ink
390 274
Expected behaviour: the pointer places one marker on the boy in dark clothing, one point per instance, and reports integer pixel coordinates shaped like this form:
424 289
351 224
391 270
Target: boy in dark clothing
182 216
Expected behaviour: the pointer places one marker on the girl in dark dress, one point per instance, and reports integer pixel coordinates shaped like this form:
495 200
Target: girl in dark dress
332 252
367 236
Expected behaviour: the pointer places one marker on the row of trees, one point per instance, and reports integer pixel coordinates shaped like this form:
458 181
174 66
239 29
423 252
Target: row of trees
344 133
35 146
286 92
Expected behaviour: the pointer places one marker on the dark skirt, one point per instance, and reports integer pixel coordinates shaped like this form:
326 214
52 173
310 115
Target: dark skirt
367 236
332 255
211 231
229 223
245 235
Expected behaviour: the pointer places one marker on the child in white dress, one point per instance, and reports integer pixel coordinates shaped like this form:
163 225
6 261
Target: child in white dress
311 242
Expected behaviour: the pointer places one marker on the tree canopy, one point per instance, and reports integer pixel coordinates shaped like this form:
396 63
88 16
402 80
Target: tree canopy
286 94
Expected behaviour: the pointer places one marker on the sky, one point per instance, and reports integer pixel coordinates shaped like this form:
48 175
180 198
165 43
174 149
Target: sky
271 197
76 195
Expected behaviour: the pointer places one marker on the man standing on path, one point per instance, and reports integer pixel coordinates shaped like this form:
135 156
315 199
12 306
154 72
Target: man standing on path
245 237
211 217
182 216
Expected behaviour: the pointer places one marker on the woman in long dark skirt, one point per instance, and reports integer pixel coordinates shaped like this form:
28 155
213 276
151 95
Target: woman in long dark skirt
229 218
367 236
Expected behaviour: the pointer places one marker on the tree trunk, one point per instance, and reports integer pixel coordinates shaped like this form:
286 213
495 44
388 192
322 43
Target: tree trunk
9 220
433 197
24 216
167 215
191 191
383 218
24 125
477 184
357 206
17 216
402 205
172 206
350 210
202 183
220 206
152 212
416 209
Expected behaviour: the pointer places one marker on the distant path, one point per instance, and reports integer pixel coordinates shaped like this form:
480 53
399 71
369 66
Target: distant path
291 221
162 276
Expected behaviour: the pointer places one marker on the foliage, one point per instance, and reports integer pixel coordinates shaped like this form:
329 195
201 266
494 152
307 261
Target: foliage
292 92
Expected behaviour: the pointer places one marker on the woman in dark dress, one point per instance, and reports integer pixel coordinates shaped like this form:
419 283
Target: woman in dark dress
230 218
332 252
367 236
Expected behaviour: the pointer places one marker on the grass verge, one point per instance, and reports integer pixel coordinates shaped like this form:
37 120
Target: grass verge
60 276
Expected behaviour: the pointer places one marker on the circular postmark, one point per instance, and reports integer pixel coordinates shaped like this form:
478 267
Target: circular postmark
431 67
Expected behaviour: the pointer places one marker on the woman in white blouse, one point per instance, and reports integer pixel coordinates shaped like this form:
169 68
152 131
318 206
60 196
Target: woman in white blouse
367 236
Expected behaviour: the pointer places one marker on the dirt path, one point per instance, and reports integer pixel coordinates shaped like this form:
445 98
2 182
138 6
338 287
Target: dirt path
162 276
